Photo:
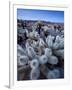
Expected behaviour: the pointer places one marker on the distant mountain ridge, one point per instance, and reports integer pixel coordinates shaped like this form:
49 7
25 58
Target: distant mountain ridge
46 22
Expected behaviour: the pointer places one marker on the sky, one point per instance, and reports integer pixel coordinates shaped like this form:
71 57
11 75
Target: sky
45 15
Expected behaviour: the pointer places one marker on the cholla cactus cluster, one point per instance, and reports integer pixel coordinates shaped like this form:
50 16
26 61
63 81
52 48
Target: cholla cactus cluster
40 56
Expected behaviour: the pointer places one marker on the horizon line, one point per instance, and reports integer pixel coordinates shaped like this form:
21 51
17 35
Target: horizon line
40 20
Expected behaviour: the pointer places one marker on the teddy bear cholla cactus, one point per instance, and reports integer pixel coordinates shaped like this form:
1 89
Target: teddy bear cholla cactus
39 53
53 60
34 64
20 50
45 28
48 52
30 52
41 42
53 74
49 41
33 35
59 43
43 59
59 52
23 60
34 74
